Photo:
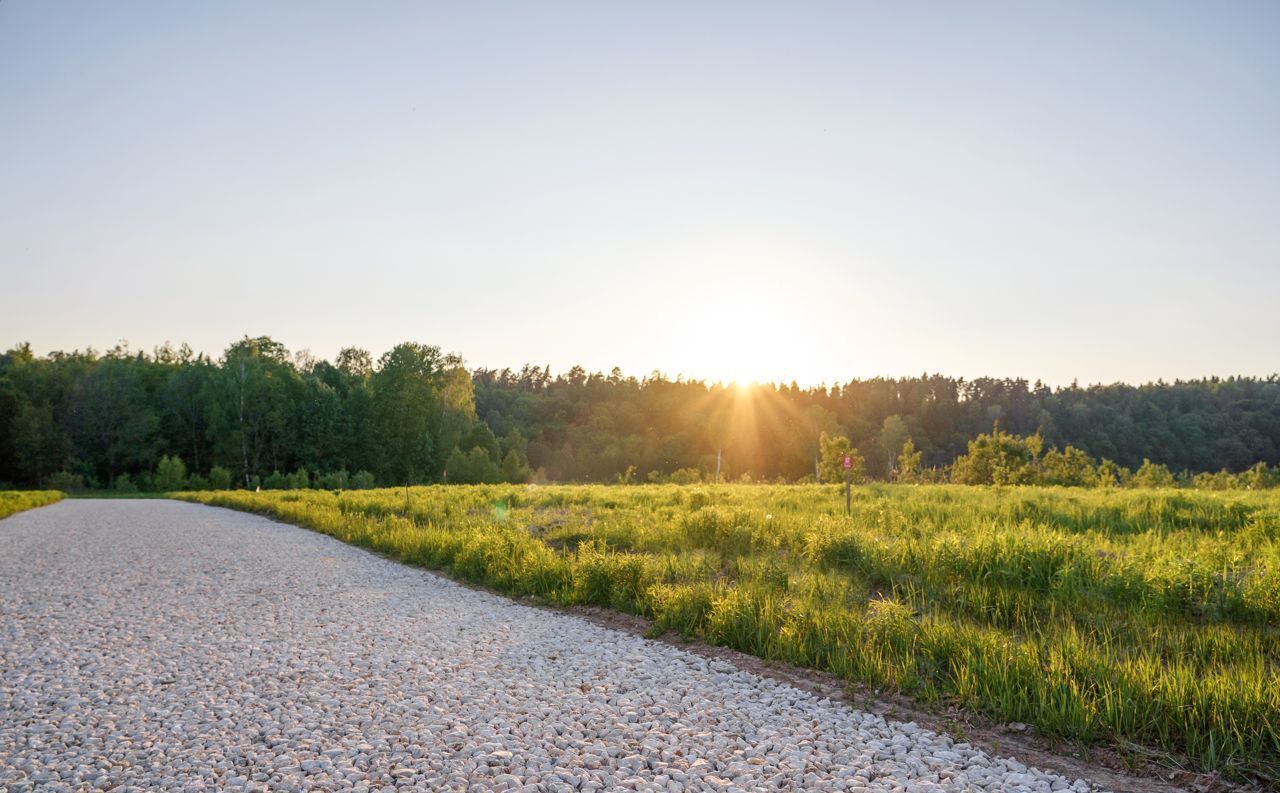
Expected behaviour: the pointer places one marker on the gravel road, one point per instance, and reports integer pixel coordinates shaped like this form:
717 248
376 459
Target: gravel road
158 645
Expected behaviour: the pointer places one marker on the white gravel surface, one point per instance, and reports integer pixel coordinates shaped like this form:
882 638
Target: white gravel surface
157 645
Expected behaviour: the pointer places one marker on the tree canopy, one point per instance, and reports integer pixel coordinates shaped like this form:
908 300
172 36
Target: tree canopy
416 414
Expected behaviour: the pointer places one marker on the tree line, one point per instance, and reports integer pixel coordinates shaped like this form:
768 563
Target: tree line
259 416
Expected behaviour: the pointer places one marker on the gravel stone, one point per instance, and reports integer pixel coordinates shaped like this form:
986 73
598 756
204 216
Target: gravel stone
160 645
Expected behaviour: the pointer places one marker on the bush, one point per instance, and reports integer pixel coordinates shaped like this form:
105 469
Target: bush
1111 475
685 476
362 480
171 474
831 452
908 469
1068 468
64 481
334 480
1223 480
219 478
998 459
197 482
276 481
1259 477
300 479
1153 475
124 484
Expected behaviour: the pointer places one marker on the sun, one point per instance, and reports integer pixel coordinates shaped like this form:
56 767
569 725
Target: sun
744 336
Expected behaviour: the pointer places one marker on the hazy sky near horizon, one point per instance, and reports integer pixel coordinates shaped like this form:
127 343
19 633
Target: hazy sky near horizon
807 191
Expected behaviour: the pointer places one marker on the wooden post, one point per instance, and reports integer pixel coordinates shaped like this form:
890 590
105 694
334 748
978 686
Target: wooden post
846 462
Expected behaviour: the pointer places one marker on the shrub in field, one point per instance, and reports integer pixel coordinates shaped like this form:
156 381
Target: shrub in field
362 480
124 484
1153 475
64 481
998 459
276 481
685 476
300 479
1111 475
832 449
219 478
1256 478
334 480
1068 468
1222 480
171 474
907 470
1259 477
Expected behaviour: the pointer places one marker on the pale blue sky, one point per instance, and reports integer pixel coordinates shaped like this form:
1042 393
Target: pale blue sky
790 190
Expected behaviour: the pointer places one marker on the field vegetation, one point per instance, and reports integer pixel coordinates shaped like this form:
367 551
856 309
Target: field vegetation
1135 618
12 501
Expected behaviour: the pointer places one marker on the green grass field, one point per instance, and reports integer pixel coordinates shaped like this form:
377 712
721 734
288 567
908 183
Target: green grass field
12 501
1145 617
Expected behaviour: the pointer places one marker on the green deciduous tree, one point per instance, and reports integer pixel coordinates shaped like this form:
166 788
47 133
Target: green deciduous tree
894 434
36 445
252 415
473 467
908 468
409 411
112 421
833 449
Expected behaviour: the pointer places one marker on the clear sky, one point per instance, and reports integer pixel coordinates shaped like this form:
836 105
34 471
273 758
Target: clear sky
783 191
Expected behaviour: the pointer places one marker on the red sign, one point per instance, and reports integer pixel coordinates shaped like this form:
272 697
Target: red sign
847 462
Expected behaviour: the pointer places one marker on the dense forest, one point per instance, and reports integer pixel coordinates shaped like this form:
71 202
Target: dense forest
258 415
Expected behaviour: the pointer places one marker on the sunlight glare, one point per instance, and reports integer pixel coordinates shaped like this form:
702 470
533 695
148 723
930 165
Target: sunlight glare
749 336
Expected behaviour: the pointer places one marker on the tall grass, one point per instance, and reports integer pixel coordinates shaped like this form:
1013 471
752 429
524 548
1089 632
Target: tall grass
12 501
1150 617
